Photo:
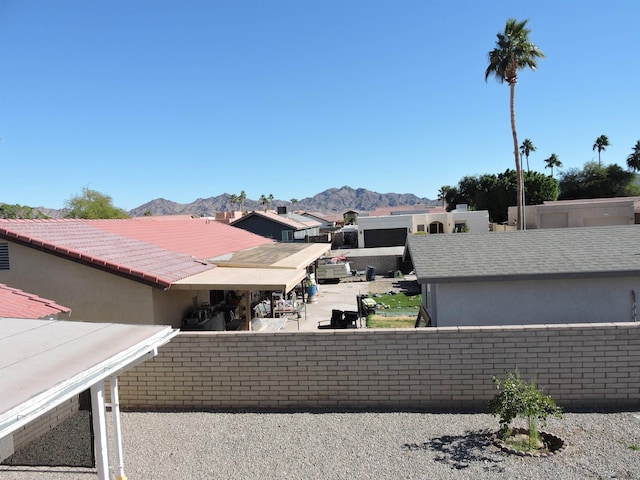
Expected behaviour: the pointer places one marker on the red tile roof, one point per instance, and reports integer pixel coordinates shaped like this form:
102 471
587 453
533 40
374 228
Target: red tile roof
158 252
15 303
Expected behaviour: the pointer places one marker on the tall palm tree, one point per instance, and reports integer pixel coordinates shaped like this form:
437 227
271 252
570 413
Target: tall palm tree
601 144
552 161
526 148
633 160
264 201
514 51
270 199
242 197
233 199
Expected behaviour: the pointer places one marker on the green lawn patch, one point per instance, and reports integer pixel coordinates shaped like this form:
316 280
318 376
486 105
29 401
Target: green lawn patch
398 310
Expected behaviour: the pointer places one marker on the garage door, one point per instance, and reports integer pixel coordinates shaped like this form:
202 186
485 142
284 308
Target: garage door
387 237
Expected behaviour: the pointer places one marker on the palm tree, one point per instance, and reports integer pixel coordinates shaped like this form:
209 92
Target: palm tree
442 194
601 144
294 201
633 160
552 161
514 51
526 148
242 197
264 201
233 199
270 199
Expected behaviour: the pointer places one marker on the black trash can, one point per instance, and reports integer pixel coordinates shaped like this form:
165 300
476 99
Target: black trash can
371 273
350 319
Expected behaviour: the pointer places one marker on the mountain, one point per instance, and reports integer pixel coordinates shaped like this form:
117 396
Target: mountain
334 200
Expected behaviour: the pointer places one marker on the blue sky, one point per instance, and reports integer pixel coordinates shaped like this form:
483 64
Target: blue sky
141 99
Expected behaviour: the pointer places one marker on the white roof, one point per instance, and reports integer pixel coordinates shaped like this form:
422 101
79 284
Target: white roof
45 362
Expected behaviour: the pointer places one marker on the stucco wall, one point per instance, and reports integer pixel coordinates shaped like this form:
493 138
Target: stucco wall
92 294
579 365
529 302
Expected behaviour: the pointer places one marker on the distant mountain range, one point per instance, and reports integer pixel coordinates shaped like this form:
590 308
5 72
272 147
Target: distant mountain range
334 200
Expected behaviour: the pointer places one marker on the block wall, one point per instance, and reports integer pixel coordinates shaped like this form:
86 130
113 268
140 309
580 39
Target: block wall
586 365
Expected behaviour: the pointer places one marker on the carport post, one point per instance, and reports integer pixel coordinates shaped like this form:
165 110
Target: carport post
117 430
100 430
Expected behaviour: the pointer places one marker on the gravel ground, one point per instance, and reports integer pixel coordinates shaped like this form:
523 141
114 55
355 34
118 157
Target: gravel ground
394 446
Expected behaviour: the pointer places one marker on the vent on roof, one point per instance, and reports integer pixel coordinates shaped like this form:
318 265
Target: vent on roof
4 256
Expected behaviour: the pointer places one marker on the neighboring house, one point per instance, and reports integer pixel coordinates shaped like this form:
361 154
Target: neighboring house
571 275
228 217
581 213
392 230
328 221
281 226
15 303
147 270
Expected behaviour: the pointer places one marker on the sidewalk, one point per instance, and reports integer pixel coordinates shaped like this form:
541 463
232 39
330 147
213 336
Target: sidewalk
340 296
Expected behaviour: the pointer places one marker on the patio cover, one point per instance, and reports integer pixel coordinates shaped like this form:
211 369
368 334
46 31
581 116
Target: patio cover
272 267
229 278
43 363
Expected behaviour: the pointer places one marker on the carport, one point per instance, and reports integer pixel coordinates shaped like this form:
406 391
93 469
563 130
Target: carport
272 267
44 363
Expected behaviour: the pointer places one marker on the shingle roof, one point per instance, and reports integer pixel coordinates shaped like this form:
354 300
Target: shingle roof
155 252
15 303
546 253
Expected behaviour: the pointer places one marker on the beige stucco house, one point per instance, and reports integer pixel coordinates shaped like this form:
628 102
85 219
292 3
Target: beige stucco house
581 213
147 270
548 276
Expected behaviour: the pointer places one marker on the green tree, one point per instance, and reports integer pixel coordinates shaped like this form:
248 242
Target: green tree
526 148
596 181
294 201
495 193
514 51
601 144
264 201
633 160
19 212
552 161
270 200
91 204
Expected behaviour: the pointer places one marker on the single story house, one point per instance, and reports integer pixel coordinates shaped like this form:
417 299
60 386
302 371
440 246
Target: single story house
281 226
590 212
148 270
392 230
569 275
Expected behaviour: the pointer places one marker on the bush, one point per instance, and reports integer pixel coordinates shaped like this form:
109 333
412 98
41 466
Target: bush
517 398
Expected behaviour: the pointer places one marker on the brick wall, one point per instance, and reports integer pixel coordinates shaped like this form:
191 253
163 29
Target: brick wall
44 423
587 365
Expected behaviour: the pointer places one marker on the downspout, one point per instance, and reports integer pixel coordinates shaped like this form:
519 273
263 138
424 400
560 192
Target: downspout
633 306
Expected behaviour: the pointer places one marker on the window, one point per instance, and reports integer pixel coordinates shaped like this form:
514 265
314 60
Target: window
287 235
460 227
421 227
4 256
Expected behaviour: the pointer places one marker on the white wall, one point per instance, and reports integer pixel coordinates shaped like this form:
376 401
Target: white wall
477 221
531 302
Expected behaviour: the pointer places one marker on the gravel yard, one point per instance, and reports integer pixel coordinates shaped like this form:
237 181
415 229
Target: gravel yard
199 445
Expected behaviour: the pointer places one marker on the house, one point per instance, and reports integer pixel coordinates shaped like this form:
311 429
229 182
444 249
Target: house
280 226
590 212
14 303
549 276
392 230
147 270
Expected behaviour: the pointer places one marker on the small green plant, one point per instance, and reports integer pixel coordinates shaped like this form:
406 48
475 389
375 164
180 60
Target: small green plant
634 447
518 398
